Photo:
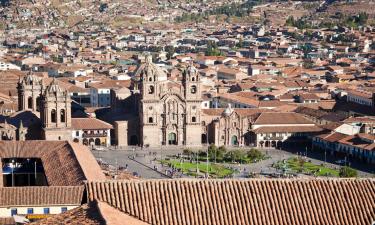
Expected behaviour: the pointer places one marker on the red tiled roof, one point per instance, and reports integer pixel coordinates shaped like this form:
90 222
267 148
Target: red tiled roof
64 163
289 129
89 124
254 201
94 213
83 215
33 196
281 118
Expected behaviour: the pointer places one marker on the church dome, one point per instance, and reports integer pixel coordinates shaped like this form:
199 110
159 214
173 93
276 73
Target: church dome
149 69
30 79
54 87
228 111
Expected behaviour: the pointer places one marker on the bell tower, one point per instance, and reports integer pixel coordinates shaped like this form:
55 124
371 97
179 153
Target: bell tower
56 113
191 79
193 98
29 91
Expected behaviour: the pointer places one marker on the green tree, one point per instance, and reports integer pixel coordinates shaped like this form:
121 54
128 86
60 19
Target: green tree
254 154
170 51
346 171
290 21
240 43
212 49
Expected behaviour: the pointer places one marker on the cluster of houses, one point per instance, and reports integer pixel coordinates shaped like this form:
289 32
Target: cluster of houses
311 87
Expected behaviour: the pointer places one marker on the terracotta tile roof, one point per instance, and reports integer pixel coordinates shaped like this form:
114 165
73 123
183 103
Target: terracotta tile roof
333 137
281 118
255 201
289 129
271 103
89 124
87 162
7 221
363 119
241 112
64 163
86 214
32 196
239 99
94 213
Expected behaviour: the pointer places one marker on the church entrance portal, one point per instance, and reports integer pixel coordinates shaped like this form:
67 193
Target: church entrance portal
172 139
234 140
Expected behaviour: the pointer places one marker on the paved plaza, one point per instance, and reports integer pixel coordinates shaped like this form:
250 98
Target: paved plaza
145 162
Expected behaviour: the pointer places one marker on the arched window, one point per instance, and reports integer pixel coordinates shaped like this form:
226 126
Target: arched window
53 116
193 79
150 79
38 104
62 115
193 89
30 102
150 120
193 119
151 89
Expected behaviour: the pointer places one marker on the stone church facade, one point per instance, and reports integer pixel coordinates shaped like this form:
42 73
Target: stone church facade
50 102
169 111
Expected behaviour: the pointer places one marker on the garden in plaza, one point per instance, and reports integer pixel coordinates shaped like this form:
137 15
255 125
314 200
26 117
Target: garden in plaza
214 161
301 165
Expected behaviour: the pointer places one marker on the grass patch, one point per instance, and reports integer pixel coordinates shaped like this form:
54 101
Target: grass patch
299 165
190 168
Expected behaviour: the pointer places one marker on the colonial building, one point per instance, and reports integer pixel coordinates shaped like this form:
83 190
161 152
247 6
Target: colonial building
255 127
51 105
91 131
42 178
56 113
169 111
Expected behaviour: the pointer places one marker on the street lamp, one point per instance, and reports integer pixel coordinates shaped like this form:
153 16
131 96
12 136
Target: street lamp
12 172
207 155
325 156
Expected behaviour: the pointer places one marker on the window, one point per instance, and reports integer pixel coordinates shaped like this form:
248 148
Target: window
77 133
46 211
150 120
64 209
151 89
193 119
62 115
150 79
13 212
30 103
53 116
30 211
193 89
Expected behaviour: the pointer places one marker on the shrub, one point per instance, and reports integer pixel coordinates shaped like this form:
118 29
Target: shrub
187 151
348 172
253 154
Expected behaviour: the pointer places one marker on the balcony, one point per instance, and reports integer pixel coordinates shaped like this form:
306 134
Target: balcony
273 138
87 135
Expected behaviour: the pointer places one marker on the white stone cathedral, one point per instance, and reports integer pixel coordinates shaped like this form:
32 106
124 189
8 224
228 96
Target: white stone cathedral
169 111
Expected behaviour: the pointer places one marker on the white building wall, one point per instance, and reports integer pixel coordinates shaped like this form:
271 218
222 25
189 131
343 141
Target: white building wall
21 210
